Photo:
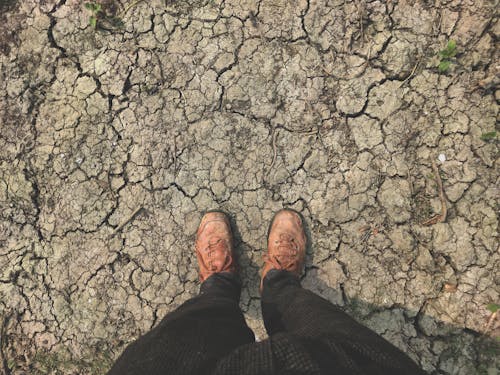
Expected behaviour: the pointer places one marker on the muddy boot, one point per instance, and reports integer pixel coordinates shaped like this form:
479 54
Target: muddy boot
286 244
214 245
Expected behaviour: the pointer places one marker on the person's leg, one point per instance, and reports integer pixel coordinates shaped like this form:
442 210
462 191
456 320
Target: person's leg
332 338
192 338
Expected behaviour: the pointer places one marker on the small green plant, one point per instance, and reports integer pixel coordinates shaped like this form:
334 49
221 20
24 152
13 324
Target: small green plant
493 307
446 55
488 136
95 9
99 18
11 363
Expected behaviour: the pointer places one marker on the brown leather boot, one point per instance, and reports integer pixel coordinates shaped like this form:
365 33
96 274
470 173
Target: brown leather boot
214 245
286 244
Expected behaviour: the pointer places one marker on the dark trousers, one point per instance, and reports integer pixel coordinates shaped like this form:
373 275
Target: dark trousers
208 335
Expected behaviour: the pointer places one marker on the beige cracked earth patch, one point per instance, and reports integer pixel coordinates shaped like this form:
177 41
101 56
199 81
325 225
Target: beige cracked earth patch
114 141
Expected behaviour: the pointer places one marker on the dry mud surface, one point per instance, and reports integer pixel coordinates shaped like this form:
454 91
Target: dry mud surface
114 141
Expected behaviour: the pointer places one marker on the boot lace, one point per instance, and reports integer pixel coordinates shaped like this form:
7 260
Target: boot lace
216 247
283 254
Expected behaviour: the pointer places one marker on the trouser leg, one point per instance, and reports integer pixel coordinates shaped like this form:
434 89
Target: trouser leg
333 338
192 338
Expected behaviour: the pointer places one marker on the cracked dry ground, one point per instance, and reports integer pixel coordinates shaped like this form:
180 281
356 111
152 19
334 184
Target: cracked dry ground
112 144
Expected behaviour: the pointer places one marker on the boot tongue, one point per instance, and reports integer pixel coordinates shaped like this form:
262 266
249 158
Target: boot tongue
286 242
286 237
286 248
219 257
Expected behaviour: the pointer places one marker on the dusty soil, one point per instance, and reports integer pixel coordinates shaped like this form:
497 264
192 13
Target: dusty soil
114 141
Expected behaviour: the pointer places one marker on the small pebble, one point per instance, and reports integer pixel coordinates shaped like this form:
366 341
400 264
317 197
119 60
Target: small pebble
442 158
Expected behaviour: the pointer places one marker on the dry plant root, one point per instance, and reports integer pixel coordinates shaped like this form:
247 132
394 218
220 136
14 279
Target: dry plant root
441 217
491 319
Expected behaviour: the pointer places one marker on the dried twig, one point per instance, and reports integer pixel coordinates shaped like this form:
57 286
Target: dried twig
275 150
175 154
411 74
490 82
361 11
356 75
130 6
491 319
410 183
441 217
308 132
368 57
131 218
367 231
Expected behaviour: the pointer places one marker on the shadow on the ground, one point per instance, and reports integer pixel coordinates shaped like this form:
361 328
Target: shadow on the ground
448 350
